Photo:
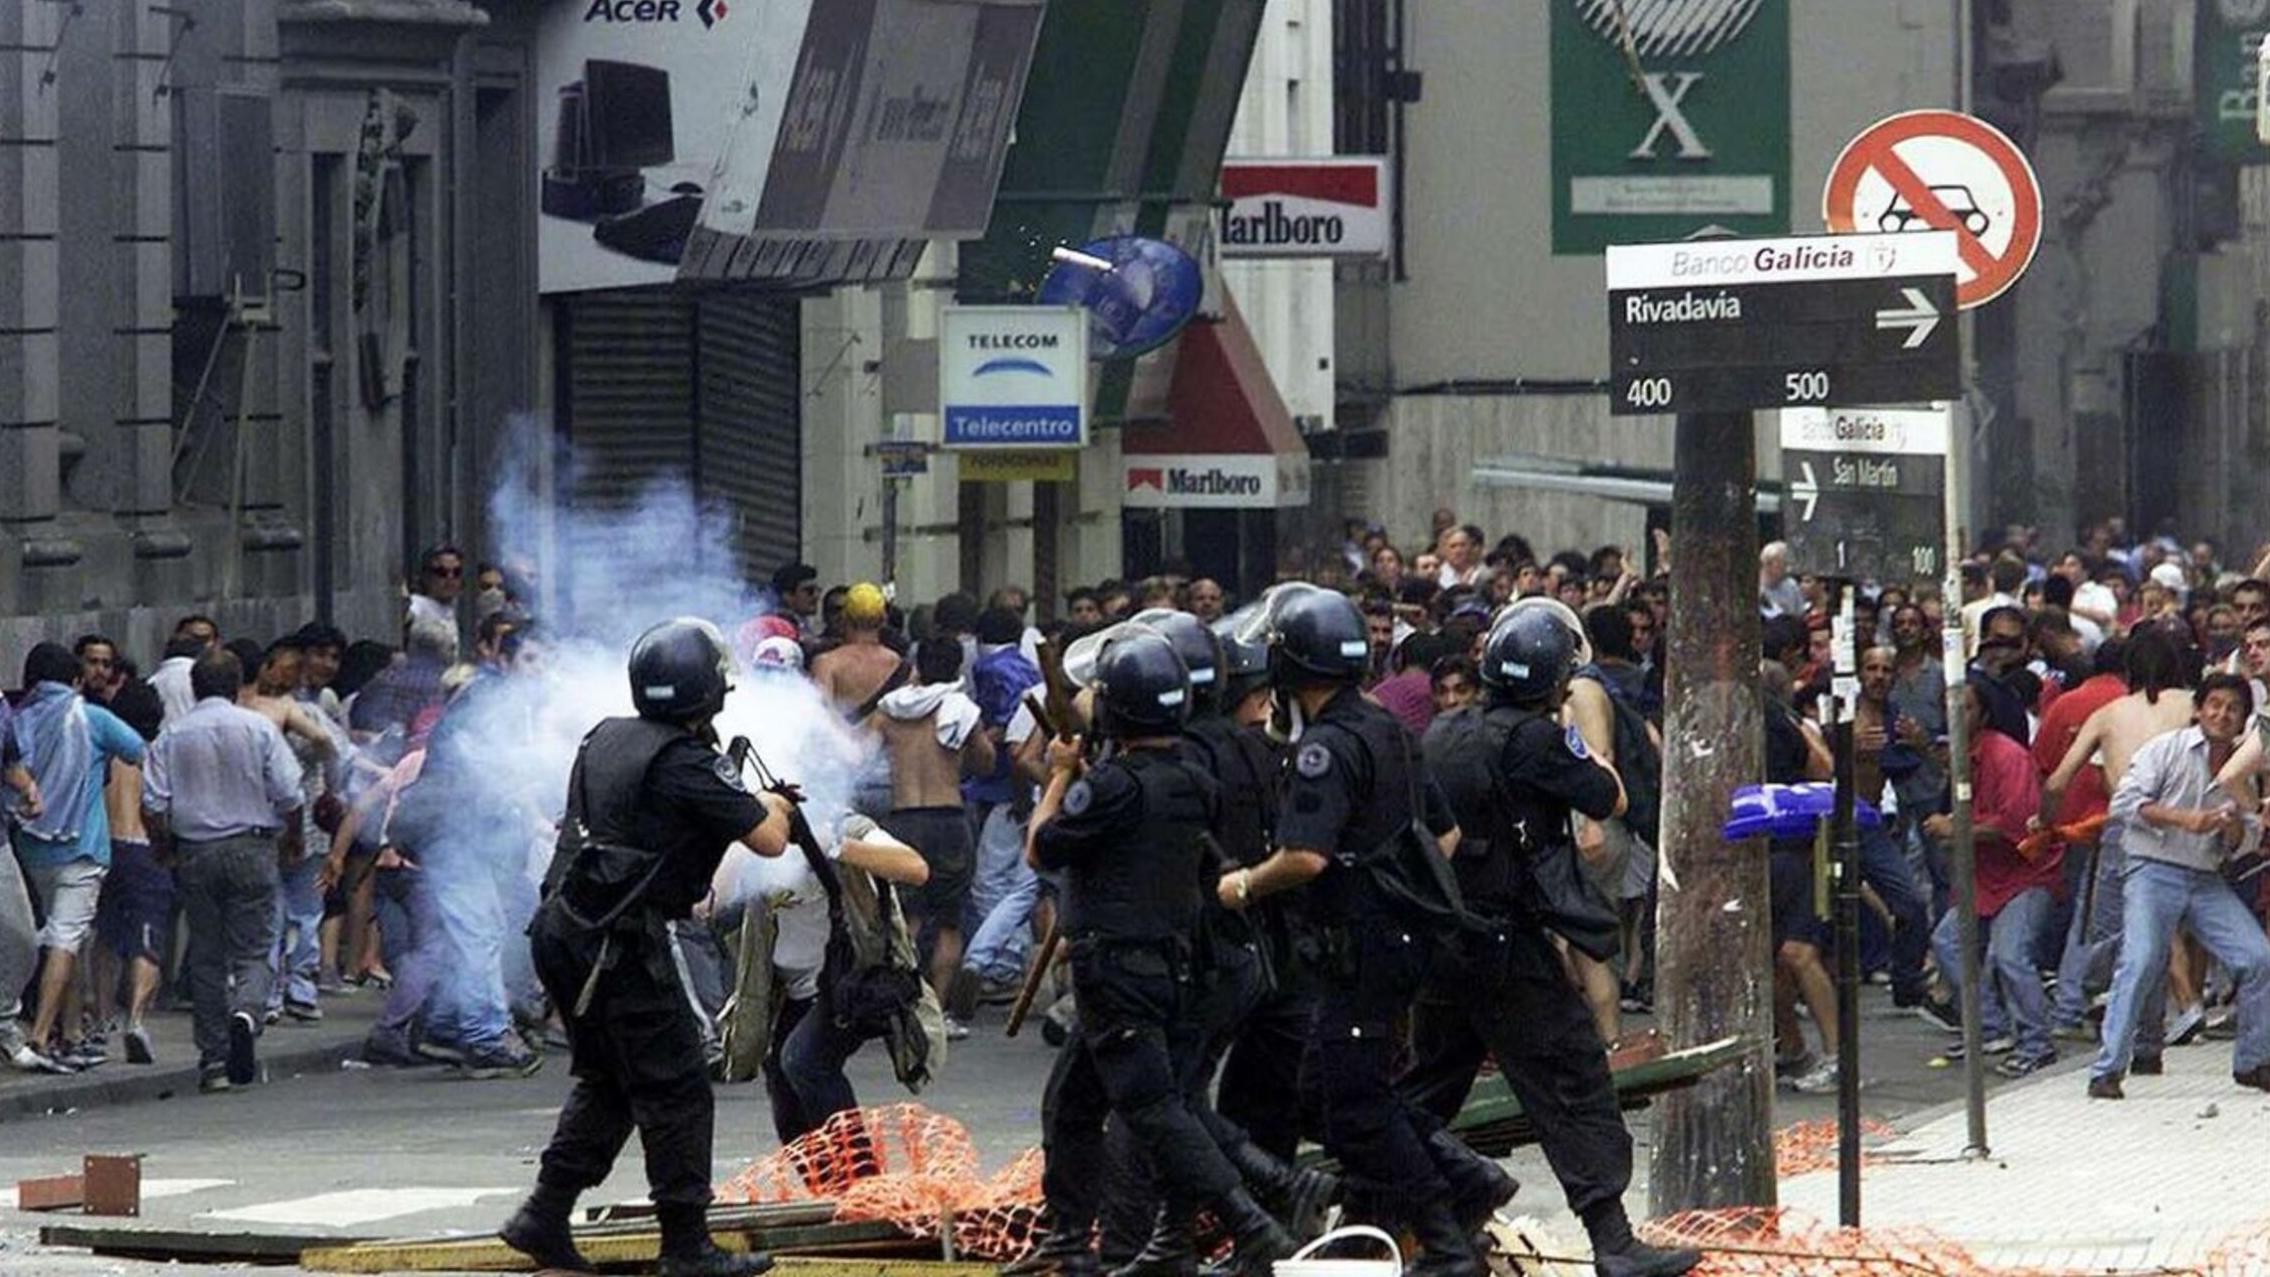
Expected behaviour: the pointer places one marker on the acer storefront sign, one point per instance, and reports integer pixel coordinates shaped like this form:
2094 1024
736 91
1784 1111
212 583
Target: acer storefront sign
801 142
1331 207
1013 376
1215 481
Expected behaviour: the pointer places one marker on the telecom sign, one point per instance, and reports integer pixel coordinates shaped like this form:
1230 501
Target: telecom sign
1866 491
1942 171
1013 376
1733 325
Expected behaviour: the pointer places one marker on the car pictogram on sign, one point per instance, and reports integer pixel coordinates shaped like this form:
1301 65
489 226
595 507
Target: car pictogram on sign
1898 217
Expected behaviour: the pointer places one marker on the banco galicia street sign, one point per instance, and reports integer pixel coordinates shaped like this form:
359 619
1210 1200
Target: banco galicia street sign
1733 325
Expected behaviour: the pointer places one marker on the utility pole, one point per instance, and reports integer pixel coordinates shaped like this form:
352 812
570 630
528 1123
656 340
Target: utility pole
1714 954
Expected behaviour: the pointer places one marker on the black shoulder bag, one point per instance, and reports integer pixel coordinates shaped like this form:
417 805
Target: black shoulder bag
865 999
1411 872
1564 900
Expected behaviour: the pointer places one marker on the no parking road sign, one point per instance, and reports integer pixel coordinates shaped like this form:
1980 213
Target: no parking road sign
1942 170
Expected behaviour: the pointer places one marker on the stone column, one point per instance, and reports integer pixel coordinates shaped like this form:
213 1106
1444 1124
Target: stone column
29 438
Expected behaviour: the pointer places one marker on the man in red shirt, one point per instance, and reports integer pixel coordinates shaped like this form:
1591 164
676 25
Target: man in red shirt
2015 895
2092 942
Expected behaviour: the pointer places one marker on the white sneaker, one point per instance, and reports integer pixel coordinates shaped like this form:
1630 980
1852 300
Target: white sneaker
955 1030
1821 1079
2184 1029
31 1060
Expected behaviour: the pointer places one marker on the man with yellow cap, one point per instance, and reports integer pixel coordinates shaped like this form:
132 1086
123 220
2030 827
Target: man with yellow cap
853 673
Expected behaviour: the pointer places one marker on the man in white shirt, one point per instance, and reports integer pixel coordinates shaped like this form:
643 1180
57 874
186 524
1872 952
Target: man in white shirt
441 578
193 636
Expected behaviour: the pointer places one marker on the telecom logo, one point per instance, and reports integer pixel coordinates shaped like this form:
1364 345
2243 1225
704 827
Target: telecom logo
711 12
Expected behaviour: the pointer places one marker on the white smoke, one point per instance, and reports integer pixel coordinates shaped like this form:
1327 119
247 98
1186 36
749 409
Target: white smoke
612 573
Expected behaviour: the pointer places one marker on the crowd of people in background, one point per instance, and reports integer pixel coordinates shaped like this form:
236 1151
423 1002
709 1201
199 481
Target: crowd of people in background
237 830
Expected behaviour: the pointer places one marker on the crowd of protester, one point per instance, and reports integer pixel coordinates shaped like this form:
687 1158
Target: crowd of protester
240 830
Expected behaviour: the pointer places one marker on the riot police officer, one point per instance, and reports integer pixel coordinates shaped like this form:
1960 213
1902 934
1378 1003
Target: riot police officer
1513 783
1129 837
1355 785
651 808
1231 974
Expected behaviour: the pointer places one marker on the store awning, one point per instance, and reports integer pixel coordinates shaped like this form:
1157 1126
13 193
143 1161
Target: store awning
1229 442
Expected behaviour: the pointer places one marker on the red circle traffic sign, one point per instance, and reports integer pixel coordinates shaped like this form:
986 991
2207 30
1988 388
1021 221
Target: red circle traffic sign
1942 170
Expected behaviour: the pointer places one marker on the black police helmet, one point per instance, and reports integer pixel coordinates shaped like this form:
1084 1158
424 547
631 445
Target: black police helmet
1142 686
1245 661
680 671
1315 636
1200 651
1528 656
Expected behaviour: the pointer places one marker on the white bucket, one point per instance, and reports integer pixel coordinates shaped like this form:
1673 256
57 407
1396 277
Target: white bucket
1300 1265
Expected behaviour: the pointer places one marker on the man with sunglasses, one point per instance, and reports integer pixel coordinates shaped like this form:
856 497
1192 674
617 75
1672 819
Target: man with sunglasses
441 578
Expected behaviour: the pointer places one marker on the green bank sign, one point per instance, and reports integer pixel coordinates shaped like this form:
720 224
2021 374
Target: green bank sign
1669 116
2226 43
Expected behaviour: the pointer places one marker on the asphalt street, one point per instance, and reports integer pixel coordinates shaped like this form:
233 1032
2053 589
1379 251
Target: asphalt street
355 1151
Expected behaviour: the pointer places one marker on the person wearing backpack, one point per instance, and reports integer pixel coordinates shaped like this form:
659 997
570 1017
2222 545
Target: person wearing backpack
1516 776
1612 707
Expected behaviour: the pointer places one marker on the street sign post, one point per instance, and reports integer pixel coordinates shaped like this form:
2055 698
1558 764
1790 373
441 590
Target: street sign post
1739 325
1942 171
1866 492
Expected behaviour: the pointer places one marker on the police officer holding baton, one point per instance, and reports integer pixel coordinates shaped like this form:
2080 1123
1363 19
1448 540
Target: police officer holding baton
651 808
1129 836
1356 785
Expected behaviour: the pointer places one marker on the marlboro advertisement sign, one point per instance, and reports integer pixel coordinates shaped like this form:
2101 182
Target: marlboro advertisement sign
1333 207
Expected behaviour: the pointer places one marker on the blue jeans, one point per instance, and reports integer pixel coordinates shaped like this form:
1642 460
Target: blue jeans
804 1074
469 1006
1001 901
2160 897
1885 870
2011 999
2092 942
299 934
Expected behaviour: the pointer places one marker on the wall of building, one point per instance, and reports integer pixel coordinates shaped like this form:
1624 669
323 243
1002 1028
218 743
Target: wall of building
163 451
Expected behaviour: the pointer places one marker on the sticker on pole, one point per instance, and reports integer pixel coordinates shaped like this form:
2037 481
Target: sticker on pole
1942 170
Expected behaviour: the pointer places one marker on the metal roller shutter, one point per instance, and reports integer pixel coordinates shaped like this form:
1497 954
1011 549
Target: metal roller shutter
657 385
749 445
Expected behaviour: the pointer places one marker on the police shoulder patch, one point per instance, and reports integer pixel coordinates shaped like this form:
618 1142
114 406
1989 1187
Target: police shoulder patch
1079 798
1575 741
1313 760
727 772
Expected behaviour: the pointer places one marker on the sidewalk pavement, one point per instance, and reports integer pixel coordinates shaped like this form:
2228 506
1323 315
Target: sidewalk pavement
286 1048
2161 1179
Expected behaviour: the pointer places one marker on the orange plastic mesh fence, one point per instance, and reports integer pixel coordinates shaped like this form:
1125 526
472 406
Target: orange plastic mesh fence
919 1170
1779 1243
1812 1146
908 1166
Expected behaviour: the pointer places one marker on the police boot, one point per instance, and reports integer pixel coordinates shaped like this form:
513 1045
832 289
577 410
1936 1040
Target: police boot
1062 1253
1171 1250
1616 1253
539 1230
1261 1240
687 1250
1299 1196
1635 1258
1478 1185
1449 1247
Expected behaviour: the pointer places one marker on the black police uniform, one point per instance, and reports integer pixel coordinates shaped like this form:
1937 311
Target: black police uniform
1349 790
1129 840
652 789
1260 1075
1507 992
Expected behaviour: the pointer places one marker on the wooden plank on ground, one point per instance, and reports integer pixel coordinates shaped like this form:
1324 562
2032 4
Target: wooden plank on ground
606 1245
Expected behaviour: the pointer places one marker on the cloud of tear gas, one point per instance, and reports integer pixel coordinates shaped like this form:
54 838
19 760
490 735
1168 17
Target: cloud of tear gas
613 571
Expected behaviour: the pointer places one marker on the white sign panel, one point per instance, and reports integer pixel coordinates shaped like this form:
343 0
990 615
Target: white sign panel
1801 259
1216 481
1918 432
1329 207
1013 376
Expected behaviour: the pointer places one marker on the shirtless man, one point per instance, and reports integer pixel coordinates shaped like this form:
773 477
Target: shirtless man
2157 703
304 847
932 735
850 675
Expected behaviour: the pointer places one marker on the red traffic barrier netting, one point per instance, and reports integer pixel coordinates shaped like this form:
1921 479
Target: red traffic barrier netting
910 1167
918 1170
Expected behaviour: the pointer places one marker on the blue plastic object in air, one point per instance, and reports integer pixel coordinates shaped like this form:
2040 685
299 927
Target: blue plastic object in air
1790 811
1151 291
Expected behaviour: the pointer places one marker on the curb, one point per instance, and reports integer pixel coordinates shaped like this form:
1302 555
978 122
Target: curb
120 1083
